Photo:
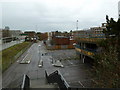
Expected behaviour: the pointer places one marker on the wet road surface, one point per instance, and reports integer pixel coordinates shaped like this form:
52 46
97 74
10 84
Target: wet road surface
75 72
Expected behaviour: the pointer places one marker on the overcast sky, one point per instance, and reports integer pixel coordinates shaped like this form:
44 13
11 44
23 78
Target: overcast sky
61 15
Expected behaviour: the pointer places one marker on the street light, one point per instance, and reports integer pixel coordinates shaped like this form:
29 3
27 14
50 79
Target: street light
77 25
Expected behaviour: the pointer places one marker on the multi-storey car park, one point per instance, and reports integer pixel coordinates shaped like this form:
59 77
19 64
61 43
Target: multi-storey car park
87 43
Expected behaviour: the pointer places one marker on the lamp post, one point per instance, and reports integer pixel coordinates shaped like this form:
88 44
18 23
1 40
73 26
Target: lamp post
77 25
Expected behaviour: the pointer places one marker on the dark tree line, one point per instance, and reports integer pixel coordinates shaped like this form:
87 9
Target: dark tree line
112 33
112 28
107 63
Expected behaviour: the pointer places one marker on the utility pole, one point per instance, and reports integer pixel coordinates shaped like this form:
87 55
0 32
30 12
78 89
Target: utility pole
77 25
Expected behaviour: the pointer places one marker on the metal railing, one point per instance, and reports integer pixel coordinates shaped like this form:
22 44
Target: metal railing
25 83
87 49
56 77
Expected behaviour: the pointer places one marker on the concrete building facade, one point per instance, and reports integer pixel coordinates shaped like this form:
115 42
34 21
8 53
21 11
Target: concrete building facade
93 32
81 34
15 33
97 32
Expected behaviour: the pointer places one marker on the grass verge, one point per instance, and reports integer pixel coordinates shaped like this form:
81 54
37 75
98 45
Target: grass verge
9 54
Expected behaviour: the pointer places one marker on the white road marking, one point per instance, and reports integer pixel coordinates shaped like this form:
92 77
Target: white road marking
81 84
25 57
30 59
70 62
18 60
94 81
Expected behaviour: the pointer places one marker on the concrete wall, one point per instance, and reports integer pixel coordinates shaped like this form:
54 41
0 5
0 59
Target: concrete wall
58 47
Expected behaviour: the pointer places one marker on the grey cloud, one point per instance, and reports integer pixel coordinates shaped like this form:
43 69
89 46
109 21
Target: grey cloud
57 14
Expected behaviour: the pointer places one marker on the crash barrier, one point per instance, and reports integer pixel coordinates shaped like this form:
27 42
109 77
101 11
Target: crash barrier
56 77
25 83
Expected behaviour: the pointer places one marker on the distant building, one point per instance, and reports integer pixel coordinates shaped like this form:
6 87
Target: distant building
97 32
5 33
61 40
23 36
11 33
82 34
58 33
49 35
8 35
15 33
119 9
30 33
31 36
93 32
43 36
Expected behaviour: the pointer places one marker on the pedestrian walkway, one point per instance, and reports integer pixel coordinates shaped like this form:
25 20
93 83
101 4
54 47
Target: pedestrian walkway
42 83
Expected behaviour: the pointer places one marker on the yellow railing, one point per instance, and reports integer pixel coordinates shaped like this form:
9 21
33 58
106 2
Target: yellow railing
84 52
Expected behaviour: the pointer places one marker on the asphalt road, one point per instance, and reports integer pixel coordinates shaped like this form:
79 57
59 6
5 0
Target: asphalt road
17 70
75 72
